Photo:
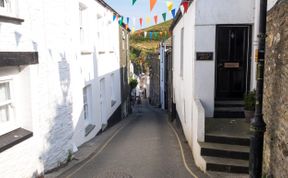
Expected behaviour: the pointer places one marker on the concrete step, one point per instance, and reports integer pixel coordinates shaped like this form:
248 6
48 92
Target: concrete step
218 138
224 150
226 165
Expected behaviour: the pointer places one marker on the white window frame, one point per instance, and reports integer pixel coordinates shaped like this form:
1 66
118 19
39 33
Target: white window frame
10 124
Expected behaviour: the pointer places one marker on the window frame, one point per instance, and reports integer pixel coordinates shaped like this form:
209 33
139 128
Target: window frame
11 123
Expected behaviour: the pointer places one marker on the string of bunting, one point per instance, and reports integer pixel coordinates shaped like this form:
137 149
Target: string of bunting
155 34
183 8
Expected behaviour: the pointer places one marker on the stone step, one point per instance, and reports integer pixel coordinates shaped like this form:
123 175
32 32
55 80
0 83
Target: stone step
218 138
229 103
226 165
224 150
229 113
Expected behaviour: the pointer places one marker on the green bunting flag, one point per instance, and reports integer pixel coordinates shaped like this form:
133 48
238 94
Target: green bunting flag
133 2
121 21
164 16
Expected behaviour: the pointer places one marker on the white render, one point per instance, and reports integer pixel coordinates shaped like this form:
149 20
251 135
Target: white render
49 95
196 89
162 74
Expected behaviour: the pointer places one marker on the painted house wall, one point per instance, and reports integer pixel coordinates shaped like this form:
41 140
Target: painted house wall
49 95
162 75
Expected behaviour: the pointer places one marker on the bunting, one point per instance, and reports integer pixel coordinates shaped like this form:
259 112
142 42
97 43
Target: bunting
148 20
152 4
164 16
185 5
133 2
169 5
133 29
173 12
114 17
151 35
156 19
141 21
145 34
121 20
128 19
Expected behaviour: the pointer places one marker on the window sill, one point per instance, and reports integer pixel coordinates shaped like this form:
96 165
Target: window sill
113 102
11 19
89 129
13 138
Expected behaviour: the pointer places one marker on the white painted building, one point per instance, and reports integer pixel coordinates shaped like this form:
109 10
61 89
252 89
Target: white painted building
67 89
200 61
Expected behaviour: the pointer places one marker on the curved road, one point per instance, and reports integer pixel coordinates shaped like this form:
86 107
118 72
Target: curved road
145 148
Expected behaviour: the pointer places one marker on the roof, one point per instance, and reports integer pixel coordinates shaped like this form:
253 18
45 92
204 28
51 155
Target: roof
178 16
104 4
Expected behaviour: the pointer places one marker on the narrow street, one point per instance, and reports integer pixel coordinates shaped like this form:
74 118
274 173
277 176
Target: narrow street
145 147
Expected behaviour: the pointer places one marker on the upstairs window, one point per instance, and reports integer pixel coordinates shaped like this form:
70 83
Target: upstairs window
5 7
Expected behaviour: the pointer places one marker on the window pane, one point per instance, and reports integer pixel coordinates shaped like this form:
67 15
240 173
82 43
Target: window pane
4 113
1 3
4 92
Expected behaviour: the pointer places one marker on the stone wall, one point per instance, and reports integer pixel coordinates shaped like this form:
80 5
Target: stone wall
276 92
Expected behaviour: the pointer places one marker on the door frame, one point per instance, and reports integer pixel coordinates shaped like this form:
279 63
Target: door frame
248 61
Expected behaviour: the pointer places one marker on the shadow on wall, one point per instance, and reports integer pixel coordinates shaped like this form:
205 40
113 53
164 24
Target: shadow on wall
58 146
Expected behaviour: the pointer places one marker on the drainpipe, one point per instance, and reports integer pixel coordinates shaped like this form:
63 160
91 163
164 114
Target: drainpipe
258 126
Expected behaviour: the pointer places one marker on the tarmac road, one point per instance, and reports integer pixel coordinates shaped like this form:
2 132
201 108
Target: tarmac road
145 148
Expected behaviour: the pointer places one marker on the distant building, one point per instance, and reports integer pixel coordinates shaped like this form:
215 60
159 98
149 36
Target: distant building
59 80
165 46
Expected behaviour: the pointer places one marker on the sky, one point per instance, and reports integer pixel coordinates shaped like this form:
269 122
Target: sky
141 9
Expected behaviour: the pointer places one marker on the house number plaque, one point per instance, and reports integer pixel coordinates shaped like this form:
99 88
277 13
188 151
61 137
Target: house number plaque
204 56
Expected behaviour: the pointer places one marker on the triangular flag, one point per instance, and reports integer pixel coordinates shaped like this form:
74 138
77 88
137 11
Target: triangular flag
151 35
148 20
164 16
156 34
133 2
156 19
169 5
185 5
182 9
145 34
141 21
173 12
117 18
133 29
127 20
121 20
114 17
126 27
152 4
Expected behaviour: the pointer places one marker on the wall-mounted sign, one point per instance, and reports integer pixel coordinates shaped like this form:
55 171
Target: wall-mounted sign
204 56
231 65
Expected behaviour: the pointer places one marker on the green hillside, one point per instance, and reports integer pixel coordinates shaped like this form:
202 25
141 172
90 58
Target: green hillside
140 46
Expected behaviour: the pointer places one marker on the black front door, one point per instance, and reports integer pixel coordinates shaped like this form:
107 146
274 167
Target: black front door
232 51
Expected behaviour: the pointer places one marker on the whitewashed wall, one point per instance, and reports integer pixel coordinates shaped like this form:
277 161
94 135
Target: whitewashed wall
50 94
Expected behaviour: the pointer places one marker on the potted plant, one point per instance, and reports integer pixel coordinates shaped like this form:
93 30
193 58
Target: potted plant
249 105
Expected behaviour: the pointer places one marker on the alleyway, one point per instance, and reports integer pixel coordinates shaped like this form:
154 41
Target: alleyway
145 148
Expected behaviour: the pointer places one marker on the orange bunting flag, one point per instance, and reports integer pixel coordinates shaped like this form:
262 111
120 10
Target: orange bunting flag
160 33
141 21
156 19
152 4
126 27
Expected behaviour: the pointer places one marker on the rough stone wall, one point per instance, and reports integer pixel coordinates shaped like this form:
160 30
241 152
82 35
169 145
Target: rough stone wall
154 80
276 92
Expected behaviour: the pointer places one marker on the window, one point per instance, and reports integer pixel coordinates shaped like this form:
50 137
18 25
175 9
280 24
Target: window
6 107
5 6
87 102
182 53
113 97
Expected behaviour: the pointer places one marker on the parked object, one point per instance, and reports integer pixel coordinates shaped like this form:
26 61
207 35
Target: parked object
249 105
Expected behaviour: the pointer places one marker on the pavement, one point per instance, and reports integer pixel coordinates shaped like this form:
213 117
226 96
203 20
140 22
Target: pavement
144 145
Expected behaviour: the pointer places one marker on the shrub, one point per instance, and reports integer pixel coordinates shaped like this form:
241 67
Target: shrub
133 83
250 101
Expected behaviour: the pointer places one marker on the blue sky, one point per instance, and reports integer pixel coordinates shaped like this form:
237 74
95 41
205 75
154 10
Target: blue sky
141 9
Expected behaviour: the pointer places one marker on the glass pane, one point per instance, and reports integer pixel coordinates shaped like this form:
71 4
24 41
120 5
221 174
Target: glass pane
4 113
4 92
